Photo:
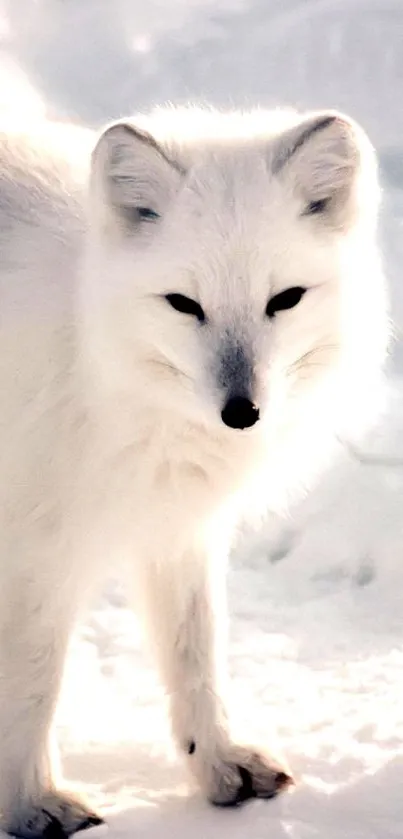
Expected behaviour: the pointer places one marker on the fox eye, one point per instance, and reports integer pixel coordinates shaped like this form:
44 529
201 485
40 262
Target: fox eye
314 208
284 300
186 306
147 214
139 215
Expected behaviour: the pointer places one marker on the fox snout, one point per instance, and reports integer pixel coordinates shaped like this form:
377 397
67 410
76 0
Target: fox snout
236 378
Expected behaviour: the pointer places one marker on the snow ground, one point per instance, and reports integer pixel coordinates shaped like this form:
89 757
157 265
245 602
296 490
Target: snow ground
316 602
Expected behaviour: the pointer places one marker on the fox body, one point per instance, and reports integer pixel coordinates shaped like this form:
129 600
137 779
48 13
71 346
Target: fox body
192 307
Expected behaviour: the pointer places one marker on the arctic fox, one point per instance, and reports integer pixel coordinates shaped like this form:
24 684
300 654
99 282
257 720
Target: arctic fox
192 306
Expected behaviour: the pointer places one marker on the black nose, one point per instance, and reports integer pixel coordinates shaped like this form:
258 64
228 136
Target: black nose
239 412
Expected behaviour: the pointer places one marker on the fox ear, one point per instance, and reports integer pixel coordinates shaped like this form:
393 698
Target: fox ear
132 178
325 157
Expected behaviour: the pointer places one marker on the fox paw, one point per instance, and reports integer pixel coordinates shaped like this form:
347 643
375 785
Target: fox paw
55 816
238 774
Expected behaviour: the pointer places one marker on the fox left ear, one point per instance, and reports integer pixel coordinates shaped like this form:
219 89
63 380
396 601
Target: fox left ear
329 159
132 179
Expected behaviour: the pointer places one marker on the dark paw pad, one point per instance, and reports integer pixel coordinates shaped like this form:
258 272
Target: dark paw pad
89 821
251 788
43 824
246 790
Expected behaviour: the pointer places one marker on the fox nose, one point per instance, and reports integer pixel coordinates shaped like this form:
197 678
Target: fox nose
239 412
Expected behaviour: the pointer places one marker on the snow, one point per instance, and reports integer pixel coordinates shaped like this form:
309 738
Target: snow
316 601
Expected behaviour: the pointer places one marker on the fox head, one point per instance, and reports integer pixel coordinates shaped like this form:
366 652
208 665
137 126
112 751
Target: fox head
235 272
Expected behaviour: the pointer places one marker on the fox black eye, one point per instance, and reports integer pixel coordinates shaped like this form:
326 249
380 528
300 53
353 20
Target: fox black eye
285 300
147 214
185 305
316 207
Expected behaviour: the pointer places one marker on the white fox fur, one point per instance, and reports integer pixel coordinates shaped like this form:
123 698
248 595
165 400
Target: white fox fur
112 446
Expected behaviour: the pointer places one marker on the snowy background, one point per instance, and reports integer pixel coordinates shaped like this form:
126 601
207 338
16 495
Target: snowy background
316 602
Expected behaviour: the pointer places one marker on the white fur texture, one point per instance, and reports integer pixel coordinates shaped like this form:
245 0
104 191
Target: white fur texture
112 446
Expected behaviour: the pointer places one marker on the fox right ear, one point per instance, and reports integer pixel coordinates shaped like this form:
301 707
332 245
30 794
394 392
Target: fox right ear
132 178
330 163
